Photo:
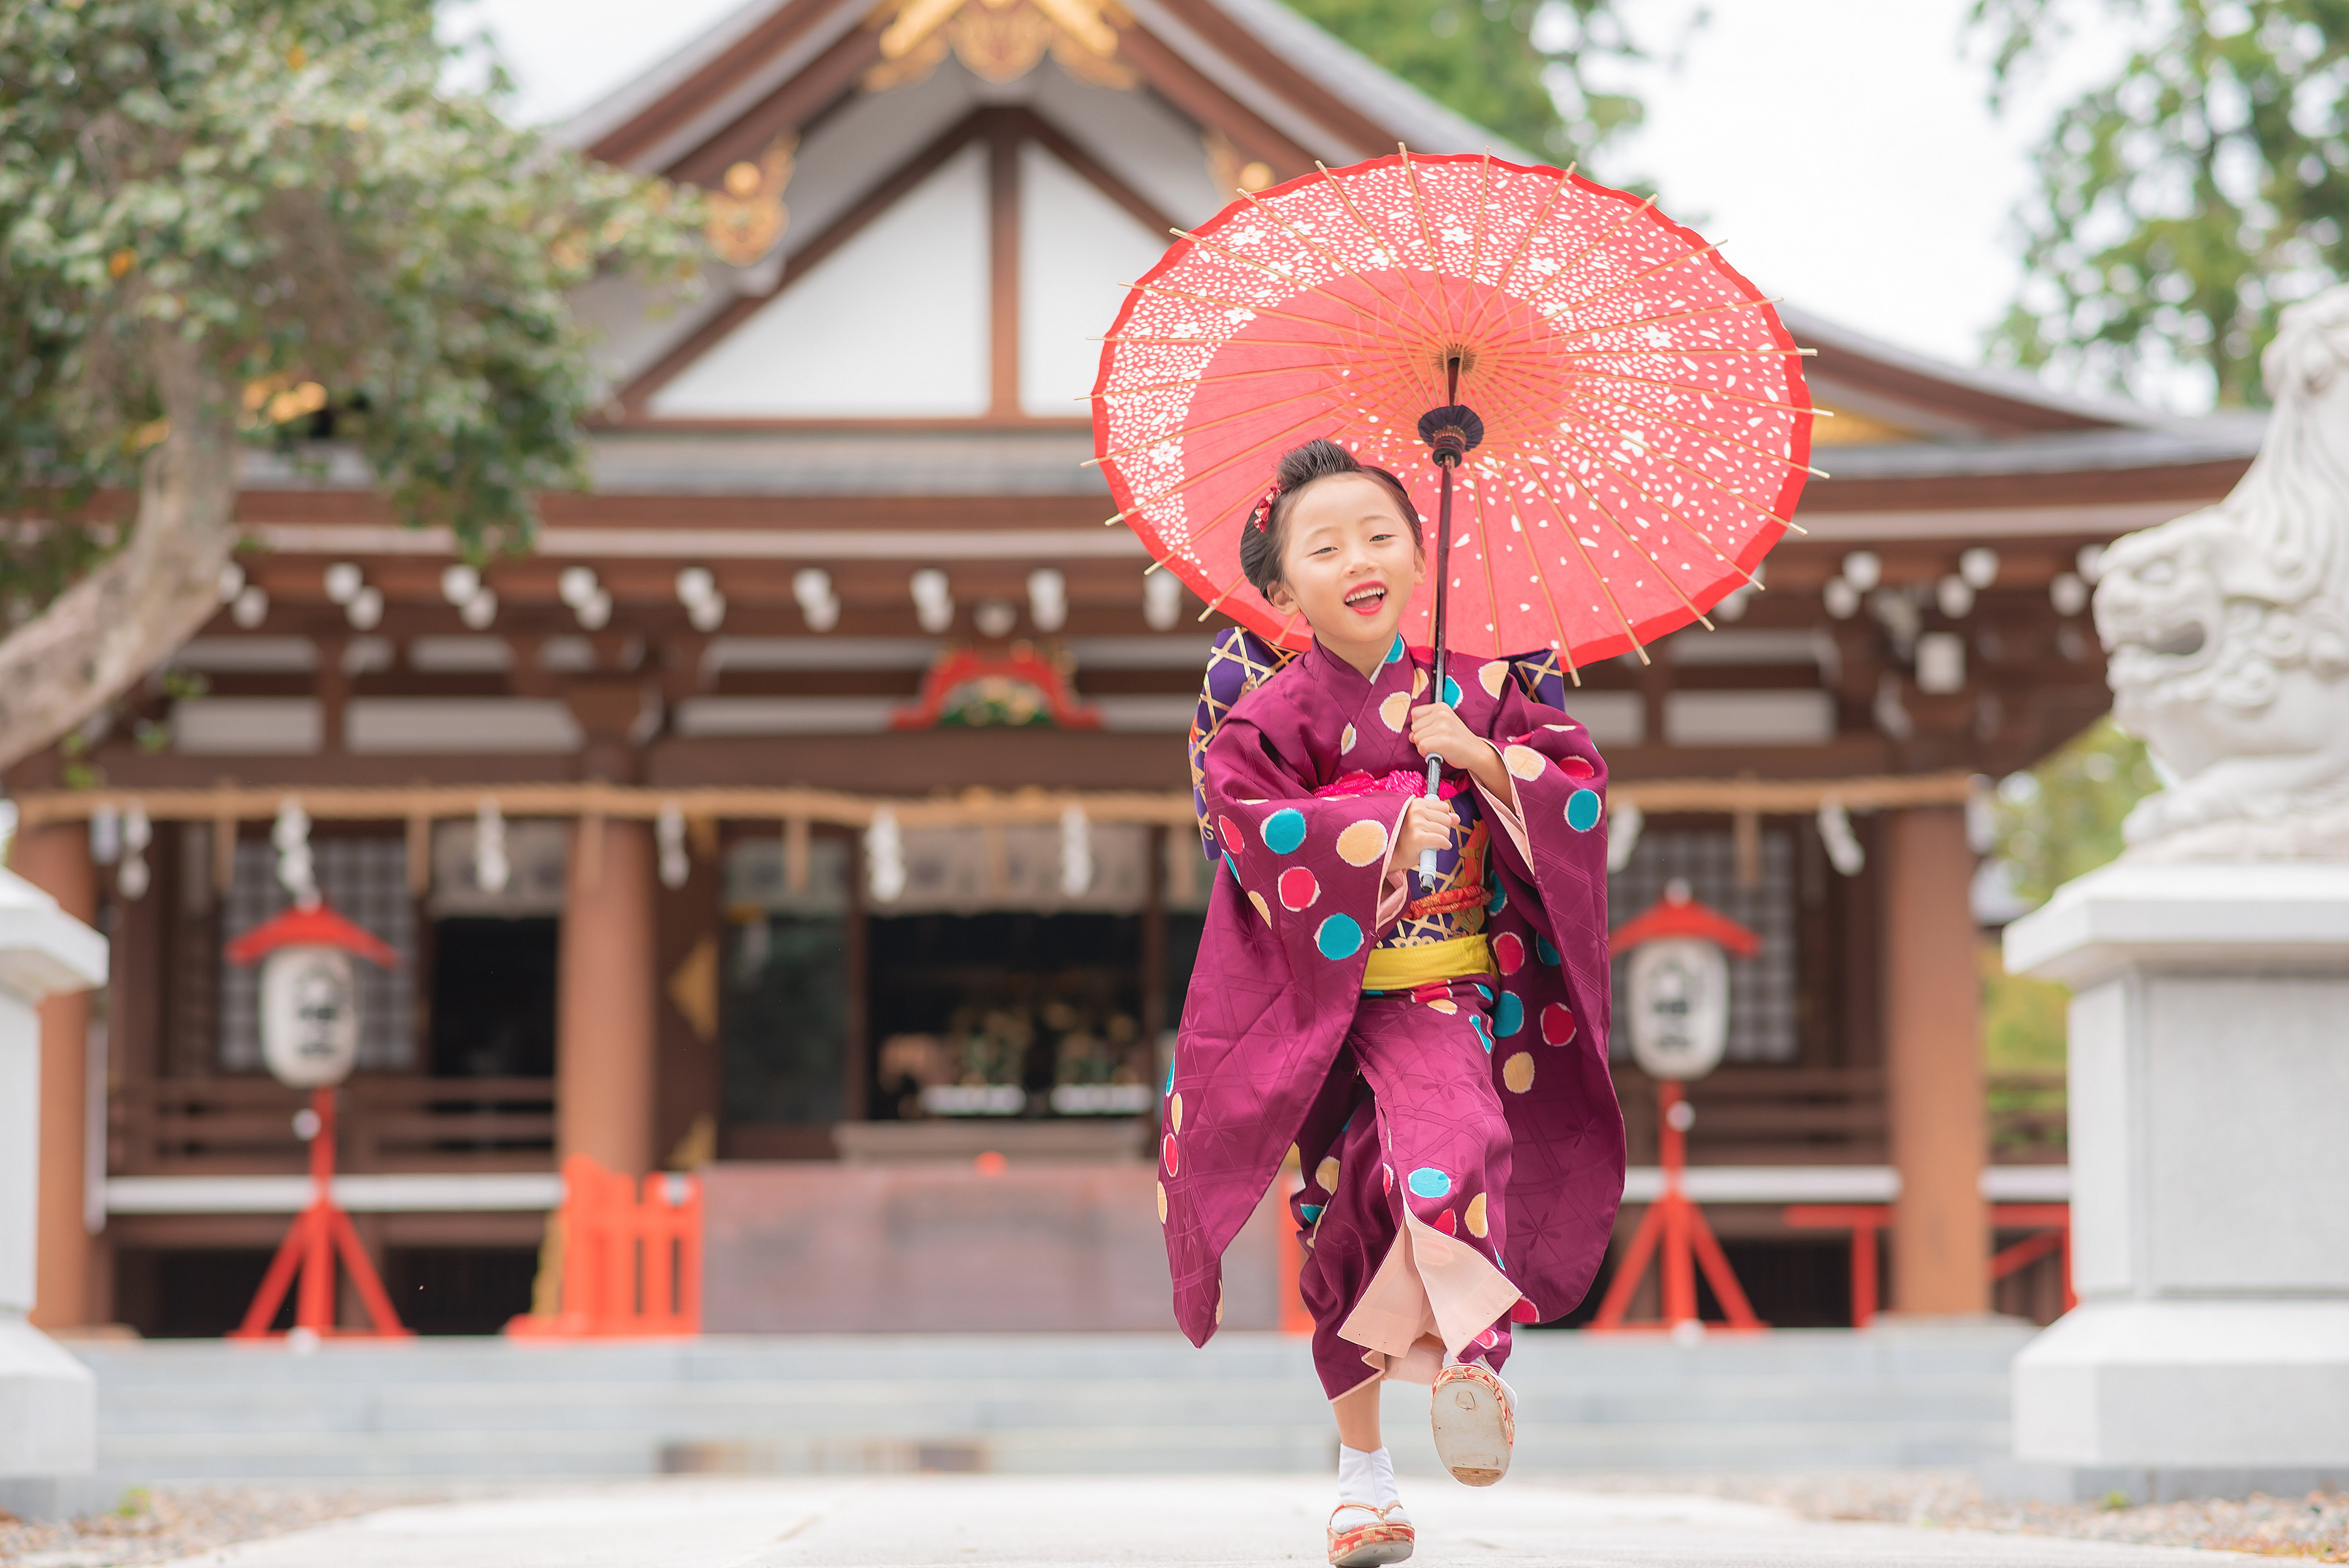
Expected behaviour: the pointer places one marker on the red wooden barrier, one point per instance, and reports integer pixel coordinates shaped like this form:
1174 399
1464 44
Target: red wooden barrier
2052 1220
629 1260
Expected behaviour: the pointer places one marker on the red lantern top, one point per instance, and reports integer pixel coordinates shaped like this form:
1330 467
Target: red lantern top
1677 914
315 927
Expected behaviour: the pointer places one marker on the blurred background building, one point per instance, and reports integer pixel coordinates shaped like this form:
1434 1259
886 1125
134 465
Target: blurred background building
843 550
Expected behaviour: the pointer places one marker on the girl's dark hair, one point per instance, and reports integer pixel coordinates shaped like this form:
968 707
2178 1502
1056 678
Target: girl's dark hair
1262 535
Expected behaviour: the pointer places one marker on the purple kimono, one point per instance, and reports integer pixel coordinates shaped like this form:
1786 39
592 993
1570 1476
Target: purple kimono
1456 1127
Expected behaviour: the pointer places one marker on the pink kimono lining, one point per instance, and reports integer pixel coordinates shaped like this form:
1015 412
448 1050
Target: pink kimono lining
1430 1295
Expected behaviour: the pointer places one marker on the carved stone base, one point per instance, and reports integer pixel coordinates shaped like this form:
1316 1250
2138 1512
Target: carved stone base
2319 833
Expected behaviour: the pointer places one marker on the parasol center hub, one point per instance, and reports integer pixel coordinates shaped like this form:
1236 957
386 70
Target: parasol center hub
1451 433
1453 360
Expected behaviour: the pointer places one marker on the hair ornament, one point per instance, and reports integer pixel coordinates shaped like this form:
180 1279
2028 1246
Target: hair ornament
1260 517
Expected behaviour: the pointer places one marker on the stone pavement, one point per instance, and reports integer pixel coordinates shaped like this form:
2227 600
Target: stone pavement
1131 1522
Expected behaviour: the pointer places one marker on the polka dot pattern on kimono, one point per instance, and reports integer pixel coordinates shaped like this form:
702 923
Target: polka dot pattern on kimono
1261 906
1325 1175
1427 1181
1544 951
1347 738
1451 692
1312 1212
1386 1179
1517 1072
1556 1024
1162 1203
1488 1339
1395 654
1483 1032
1445 1005
1298 890
1523 1311
1394 711
1284 831
1524 762
1418 682
1175 1113
1509 1015
1171 1155
1491 676
1339 936
1446 1223
1582 810
1493 906
1576 768
1509 951
1477 1225
1229 831
1362 843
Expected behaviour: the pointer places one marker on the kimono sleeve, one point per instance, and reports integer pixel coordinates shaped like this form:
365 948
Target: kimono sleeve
1553 837
1313 870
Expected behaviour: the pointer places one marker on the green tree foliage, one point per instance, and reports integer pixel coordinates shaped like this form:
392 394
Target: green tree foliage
2182 204
1522 68
2063 818
2050 824
244 221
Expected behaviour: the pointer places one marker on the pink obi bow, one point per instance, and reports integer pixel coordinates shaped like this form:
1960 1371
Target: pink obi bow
1401 781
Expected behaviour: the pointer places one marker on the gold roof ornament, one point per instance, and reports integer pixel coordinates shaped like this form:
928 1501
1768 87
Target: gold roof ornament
747 216
1000 41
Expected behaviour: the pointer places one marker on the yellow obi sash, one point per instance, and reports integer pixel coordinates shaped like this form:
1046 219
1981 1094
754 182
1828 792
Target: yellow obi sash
1404 969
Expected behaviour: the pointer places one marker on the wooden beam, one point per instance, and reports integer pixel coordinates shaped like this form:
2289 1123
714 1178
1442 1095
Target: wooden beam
825 80
676 109
1205 101
1248 51
1050 138
972 808
1003 266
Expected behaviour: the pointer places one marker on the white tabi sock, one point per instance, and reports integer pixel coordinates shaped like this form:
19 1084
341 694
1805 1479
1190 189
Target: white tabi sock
1366 1477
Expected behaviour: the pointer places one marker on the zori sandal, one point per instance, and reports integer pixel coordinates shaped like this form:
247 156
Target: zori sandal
1475 1421
1361 1535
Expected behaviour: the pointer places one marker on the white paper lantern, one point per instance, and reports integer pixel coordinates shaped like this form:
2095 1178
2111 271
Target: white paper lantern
309 1016
1680 1006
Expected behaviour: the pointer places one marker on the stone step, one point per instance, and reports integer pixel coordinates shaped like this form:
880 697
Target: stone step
1093 1403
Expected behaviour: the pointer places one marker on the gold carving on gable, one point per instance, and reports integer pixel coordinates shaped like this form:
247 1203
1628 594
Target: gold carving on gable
1000 41
747 216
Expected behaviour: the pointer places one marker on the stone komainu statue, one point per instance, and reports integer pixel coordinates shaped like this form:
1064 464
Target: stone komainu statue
2228 629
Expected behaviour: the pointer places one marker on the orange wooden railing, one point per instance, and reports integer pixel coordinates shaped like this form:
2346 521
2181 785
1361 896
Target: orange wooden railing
625 1259
2052 1222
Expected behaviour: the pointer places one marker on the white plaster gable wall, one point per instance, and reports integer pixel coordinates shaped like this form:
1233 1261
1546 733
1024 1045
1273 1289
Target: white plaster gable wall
892 324
1137 137
866 140
1078 253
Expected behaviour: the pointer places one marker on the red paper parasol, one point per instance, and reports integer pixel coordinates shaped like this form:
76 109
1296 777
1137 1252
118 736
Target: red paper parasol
1645 428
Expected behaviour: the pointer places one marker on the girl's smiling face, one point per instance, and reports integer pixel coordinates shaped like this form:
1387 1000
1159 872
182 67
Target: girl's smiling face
1348 563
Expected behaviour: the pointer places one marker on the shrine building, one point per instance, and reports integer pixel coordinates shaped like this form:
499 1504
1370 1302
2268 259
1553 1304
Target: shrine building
810 807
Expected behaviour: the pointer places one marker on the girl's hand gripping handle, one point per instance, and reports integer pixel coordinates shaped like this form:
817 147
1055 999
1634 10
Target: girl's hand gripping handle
1427 856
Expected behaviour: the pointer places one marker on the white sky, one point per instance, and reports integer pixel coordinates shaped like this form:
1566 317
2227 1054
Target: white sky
1841 151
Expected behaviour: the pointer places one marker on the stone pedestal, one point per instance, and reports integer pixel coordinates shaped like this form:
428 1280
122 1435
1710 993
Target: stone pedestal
48 1402
2209 1146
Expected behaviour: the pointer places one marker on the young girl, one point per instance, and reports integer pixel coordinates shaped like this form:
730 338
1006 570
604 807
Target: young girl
1433 1058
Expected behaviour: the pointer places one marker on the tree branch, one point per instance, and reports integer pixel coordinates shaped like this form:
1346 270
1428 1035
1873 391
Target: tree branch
102 635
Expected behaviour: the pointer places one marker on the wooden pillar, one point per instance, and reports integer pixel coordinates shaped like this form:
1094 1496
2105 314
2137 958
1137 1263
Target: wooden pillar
1933 1065
56 859
604 1002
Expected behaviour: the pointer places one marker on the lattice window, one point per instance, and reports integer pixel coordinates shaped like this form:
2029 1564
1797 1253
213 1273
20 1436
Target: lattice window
1762 1011
367 880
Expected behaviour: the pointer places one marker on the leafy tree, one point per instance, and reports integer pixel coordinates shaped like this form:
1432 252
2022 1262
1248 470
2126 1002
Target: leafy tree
234 222
2182 204
2062 819
1521 68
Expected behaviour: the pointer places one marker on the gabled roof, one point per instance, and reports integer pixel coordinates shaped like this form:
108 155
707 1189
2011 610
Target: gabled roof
1280 87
